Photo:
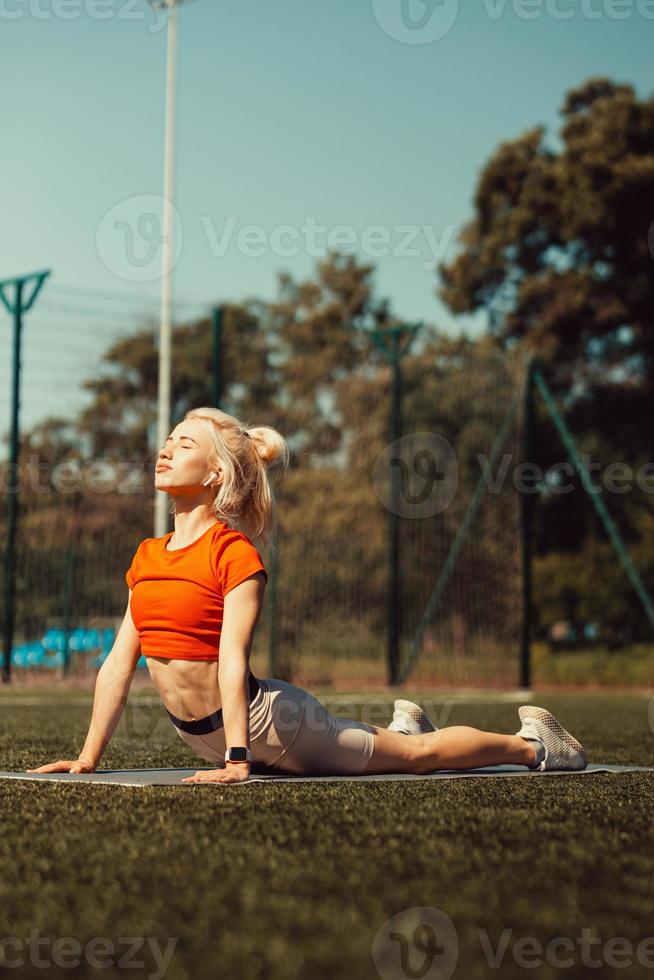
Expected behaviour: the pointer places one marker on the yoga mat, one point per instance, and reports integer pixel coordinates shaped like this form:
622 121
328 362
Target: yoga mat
174 777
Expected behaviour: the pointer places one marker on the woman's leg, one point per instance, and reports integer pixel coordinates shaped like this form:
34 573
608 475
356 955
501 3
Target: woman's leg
456 747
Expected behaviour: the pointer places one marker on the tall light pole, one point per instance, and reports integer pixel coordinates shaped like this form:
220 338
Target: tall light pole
161 502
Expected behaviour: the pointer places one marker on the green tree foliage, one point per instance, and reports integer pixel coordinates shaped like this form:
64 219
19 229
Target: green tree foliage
559 255
558 249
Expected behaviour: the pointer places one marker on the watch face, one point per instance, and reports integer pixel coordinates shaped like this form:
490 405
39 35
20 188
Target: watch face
238 754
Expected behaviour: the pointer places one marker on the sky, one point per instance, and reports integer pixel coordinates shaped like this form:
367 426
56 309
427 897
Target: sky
368 120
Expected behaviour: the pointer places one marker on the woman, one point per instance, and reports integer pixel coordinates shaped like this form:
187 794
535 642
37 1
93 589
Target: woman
195 598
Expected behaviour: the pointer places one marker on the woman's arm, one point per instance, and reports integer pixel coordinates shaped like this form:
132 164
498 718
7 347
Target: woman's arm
241 613
111 689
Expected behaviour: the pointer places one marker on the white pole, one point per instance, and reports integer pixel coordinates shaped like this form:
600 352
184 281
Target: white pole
162 501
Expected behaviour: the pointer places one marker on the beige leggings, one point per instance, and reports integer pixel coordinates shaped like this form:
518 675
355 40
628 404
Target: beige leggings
291 731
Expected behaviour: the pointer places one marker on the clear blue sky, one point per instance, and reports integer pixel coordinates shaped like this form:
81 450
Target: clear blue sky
288 111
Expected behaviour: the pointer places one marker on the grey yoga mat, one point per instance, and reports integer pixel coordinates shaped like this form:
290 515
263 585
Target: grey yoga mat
174 777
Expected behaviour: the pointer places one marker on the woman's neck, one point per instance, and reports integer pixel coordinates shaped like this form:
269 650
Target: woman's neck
190 526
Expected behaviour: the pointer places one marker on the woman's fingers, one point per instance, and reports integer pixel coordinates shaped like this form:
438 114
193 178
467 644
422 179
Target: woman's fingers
63 765
60 766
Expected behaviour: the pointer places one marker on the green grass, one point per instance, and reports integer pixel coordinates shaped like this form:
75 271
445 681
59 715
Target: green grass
284 881
631 666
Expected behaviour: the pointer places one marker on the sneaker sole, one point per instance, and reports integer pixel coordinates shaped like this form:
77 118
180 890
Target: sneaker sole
562 740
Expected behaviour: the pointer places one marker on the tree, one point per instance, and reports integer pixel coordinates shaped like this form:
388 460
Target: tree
558 255
558 251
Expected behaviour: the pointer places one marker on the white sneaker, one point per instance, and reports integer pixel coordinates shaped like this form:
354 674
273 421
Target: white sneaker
561 750
410 719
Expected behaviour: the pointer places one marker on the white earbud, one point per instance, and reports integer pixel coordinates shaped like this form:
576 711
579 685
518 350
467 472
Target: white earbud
209 479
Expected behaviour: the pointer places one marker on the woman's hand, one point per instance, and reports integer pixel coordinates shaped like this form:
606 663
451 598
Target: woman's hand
66 765
232 773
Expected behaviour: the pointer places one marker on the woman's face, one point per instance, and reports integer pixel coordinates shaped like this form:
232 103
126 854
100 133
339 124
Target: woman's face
182 462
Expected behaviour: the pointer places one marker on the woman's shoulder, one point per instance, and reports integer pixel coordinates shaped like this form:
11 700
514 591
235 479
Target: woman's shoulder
234 557
147 546
145 542
225 536
229 531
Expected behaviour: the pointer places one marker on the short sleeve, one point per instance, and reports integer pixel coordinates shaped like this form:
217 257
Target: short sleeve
132 571
237 560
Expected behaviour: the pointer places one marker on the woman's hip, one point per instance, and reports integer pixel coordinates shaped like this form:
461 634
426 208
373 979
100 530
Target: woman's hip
292 731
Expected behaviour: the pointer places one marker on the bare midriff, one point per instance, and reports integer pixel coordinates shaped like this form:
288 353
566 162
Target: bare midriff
188 688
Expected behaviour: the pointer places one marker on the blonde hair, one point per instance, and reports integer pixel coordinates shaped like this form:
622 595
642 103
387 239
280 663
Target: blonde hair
244 456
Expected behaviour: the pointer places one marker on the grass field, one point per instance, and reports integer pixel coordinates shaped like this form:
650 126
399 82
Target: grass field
284 881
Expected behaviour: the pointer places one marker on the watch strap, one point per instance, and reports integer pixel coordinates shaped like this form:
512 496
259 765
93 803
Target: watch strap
238 753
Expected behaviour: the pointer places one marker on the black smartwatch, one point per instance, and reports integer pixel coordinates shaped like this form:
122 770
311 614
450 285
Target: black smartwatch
238 753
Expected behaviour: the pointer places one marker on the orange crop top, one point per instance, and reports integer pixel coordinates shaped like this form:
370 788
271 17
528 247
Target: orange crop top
177 597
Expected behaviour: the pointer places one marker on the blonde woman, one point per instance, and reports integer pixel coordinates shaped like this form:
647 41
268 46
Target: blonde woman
195 598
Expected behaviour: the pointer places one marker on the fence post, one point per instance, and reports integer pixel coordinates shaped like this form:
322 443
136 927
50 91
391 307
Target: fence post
16 309
216 351
526 530
69 561
394 351
273 567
